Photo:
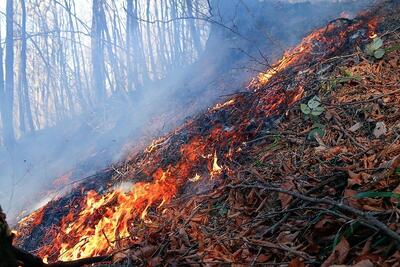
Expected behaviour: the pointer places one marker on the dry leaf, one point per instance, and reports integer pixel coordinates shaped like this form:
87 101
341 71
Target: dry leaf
285 198
349 195
363 263
296 262
355 127
397 191
339 255
263 258
380 129
354 178
286 238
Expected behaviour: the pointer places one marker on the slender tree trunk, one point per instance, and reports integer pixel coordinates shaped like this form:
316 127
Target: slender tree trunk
129 71
26 118
75 59
2 93
98 66
9 136
152 66
193 31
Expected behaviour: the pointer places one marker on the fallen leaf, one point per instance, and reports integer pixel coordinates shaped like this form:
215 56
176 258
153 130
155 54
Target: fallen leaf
355 127
286 237
338 255
330 153
363 263
285 198
350 200
263 258
396 191
296 262
380 129
354 178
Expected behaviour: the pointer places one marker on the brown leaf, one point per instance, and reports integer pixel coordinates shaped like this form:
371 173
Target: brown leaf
285 198
333 151
184 236
350 200
363 263
155 262
296 262
354 178
321 224
339 255
286 237
263 258
396 191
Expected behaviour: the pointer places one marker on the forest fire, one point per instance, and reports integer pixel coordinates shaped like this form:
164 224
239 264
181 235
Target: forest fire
323 38
104 222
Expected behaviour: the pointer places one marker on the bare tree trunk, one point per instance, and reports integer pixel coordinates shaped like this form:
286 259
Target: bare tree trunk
75 59
26 119
2 93
7 116
193 31
98 66
129 71
152 66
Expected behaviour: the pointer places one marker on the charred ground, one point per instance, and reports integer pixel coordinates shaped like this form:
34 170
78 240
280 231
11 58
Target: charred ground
256 180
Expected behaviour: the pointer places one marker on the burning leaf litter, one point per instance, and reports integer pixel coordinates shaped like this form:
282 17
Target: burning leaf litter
277 197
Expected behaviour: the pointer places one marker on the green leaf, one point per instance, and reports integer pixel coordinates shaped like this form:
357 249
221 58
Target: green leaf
369 50
316 131
314 102
317 111
305 109
376 43
318 125
371 194
379 53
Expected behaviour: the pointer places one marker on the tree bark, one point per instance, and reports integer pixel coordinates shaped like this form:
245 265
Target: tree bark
7 115
97 50
26 119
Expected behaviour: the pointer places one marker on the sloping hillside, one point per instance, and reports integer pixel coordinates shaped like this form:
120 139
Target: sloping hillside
300 170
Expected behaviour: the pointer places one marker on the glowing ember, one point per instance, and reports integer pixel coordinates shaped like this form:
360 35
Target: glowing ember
195 178
154 144
216 169
226 104
372 26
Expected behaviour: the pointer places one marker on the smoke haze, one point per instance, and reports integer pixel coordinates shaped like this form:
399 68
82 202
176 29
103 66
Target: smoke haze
235 38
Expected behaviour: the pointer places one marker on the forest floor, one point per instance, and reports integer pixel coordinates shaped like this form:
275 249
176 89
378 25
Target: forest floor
308 166
297 199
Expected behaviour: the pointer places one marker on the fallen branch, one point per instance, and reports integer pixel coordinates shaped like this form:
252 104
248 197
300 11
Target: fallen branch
366 217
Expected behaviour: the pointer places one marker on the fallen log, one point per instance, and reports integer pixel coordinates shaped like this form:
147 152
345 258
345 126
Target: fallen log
11 256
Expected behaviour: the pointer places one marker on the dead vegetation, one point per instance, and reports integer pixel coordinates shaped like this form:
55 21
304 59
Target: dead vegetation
309 166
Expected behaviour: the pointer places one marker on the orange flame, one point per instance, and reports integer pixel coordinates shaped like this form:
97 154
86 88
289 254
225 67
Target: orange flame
216 169
107 221
372 26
